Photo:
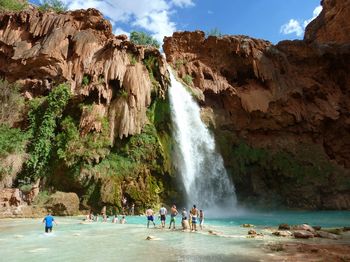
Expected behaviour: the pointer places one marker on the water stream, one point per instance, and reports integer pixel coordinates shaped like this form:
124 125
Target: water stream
202 170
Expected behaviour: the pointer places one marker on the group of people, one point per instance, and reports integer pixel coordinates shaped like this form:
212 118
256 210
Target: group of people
95 218
188 221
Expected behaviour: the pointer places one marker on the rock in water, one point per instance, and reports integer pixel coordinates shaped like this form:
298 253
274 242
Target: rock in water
252 232
302 234
283 233
328 235
283 227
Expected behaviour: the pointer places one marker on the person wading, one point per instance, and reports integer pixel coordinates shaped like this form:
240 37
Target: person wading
163 212
173 214
150 217
194 213
49 220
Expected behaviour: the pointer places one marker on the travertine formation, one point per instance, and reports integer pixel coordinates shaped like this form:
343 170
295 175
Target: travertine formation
41 49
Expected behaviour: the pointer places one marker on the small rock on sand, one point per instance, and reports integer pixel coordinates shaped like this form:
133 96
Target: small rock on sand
303 234
283 233
328 235
247 225
284 227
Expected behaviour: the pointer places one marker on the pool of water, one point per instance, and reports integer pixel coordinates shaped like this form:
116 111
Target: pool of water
72 240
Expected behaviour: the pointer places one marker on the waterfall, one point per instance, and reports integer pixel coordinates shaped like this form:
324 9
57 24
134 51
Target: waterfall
202 169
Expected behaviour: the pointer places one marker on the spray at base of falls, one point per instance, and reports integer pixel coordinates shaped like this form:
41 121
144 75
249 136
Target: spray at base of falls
202 169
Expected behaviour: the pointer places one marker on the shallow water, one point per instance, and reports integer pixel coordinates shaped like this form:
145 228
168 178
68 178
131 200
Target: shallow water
23 239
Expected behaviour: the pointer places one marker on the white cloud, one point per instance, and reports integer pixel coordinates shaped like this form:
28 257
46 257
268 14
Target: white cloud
120 31
183 3
150 15
298 27
293 26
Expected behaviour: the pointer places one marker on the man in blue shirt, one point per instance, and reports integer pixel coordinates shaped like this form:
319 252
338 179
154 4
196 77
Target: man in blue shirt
49 220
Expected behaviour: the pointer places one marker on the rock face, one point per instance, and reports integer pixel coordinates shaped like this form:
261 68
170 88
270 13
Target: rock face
332 25
39 50
280 113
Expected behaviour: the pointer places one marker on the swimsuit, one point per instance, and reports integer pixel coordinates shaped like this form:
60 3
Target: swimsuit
150 218
162 217
194 220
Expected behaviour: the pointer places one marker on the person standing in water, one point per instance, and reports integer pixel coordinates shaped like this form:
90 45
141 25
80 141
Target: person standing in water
194 213
201 219
150 217
132 209
184 221
163 212
173 214
49 220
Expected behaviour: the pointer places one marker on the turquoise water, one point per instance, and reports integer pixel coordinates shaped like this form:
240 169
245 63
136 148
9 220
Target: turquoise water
72 240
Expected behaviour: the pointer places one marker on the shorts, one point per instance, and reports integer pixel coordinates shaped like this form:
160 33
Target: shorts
184 218
201 221
172 219
194 220
150 218
48 229
162 217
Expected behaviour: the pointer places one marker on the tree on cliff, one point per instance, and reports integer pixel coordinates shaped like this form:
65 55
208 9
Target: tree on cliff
214 32
142 38
52 5
12 5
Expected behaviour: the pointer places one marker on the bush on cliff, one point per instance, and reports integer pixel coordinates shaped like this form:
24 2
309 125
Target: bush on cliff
74 148
12 140
52 5
43 119
142 38
11 103
12 5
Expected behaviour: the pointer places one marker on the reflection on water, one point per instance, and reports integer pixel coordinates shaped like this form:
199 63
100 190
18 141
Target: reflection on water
72 241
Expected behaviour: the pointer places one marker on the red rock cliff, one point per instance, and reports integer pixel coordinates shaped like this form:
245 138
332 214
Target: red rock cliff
291 99
40 49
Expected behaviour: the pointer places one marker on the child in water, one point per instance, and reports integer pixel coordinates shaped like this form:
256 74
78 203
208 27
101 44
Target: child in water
123 220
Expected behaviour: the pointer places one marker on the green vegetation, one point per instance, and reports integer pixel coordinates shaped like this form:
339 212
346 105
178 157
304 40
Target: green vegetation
179 63
75 149
52 5
86 80
305 165
43 121
188 79
12 5
214 32
123 93
142 38
12 140
11 103
132 59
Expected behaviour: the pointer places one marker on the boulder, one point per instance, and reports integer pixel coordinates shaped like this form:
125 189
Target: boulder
305 227
252 232
328 235
63 204
317 228
346 229
284 227
283 233
303 234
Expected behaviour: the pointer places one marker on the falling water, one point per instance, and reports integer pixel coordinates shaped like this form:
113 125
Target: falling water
202 170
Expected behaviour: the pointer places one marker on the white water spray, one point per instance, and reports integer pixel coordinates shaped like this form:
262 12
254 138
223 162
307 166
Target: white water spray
203 173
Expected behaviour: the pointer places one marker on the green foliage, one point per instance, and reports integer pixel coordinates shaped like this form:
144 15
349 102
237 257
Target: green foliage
43 122
12 5
188 79
281 163
42 198
132 59
52 5
214 32
12 140
75 149
142 38
179 63
86 80
123 93
11 103
25 188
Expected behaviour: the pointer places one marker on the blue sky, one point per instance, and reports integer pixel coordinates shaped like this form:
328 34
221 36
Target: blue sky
273 20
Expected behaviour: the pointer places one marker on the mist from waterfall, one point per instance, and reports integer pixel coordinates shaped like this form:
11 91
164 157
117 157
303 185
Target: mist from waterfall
202 169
